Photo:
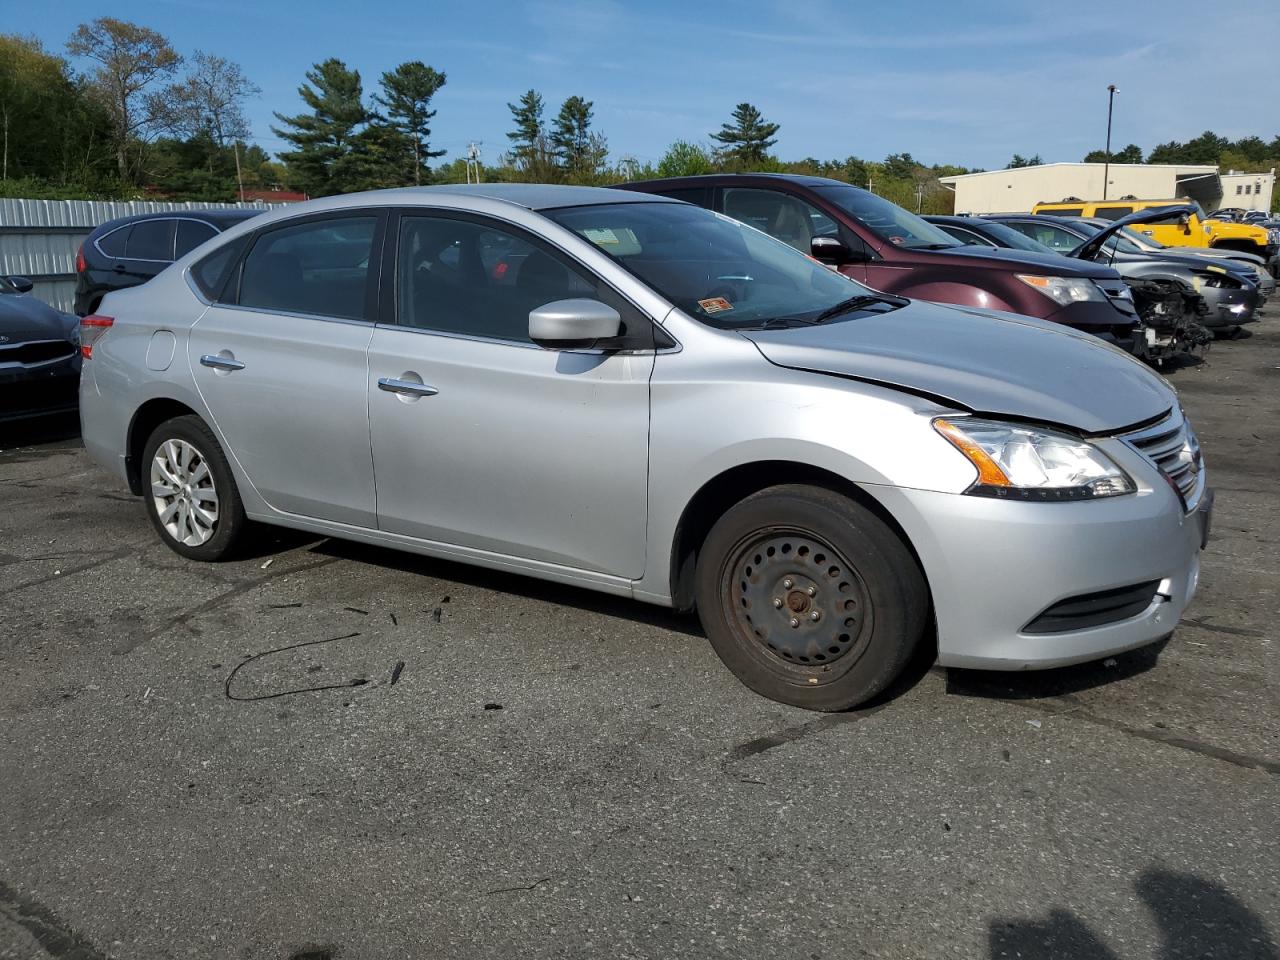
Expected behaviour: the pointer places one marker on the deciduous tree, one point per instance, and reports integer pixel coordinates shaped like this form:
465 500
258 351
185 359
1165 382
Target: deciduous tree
134 63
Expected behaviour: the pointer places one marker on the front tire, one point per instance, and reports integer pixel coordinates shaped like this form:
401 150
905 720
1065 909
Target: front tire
809 598
190 494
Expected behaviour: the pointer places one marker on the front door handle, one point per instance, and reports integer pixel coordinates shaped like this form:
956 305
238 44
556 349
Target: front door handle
221 363
406 388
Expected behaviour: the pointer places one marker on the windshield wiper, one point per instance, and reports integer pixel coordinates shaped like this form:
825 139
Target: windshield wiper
861 300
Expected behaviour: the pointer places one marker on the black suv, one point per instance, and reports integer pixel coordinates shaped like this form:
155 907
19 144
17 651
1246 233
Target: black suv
131 250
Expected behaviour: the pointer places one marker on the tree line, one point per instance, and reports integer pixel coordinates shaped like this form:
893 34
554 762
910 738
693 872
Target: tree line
143 119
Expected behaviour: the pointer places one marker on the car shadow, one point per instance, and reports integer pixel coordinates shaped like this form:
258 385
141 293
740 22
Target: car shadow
1197 918
516 584
58 428
1059 682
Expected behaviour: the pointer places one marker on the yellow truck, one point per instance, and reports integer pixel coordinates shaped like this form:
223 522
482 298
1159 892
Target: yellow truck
1192 231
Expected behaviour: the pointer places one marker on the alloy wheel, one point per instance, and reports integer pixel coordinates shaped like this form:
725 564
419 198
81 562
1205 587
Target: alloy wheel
183 492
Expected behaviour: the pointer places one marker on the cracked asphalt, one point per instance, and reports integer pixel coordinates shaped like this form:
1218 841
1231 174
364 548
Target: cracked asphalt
556 773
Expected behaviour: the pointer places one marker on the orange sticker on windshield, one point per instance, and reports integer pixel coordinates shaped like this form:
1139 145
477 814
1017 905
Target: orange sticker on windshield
715 305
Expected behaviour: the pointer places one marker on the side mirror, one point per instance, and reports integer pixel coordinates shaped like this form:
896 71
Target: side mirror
829 250
20 284
573 324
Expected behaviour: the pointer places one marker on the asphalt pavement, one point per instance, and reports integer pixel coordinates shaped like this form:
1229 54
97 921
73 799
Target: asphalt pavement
555 773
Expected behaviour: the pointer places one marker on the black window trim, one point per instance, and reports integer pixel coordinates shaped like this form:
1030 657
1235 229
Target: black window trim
173 245
386 312
373 276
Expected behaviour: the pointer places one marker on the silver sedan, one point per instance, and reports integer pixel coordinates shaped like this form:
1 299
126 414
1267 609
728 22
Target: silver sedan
642 397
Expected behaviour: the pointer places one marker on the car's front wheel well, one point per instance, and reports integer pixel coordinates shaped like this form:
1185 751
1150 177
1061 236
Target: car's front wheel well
147 417
736 484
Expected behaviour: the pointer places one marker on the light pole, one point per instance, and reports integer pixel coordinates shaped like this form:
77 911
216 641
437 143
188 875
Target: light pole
1106 167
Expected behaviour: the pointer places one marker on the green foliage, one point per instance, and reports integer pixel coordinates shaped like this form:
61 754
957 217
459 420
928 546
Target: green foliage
748 138
51 130
685 159
1020 161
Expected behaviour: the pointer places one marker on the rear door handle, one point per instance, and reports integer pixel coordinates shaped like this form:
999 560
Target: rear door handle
406 388
221 363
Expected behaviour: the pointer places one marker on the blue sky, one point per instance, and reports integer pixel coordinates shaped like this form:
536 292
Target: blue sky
966 83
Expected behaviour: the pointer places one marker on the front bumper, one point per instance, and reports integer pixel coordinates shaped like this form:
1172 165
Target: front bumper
39 389
1228 308
995 566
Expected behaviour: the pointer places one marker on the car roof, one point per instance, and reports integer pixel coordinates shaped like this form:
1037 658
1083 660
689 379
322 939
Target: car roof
803 180
218 217
1035 218
532 196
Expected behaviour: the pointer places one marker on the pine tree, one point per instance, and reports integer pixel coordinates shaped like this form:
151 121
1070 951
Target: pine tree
529 134
324 138
748 139
580 151
406 96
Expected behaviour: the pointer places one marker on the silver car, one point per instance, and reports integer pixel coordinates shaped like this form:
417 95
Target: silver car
642 397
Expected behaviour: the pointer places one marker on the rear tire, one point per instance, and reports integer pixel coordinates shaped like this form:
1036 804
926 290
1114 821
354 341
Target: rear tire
809 598
190 494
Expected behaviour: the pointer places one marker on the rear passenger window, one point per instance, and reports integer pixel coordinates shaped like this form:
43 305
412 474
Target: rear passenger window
1112 213
1063 211
457 276
191 233
319 268
150 240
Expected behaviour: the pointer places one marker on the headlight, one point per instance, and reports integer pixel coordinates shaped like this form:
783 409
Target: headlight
1023 463
1063 290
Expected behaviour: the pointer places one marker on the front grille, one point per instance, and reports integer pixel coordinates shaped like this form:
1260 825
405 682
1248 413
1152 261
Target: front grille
1172 446
1094 609
36 351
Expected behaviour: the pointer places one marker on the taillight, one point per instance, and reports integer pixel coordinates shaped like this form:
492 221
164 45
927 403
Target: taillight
80 264
92 328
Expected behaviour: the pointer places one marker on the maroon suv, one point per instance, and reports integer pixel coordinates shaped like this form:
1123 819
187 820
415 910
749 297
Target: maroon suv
890 249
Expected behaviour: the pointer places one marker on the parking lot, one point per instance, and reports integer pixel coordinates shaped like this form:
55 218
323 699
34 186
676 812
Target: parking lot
558 773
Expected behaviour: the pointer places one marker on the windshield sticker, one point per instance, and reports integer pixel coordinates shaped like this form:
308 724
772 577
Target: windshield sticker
715 305
898 240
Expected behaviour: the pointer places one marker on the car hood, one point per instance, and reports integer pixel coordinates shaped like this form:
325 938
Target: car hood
1050 264
26 318
998 364
1190 262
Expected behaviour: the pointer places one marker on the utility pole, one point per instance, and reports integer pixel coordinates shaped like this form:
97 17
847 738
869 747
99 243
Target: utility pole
473 161
1106 167
629 166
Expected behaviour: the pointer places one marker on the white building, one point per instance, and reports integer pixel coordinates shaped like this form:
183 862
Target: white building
1019 189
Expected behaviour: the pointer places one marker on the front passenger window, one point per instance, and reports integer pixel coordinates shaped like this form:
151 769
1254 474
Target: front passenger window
788 218
319 268
458 276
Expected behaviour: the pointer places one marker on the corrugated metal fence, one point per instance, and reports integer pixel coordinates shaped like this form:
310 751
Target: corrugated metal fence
39 238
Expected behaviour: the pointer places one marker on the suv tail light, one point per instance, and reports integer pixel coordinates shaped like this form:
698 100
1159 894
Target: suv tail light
80 264
92 328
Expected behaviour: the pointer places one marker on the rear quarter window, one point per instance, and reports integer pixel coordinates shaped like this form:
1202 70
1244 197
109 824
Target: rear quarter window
113 243
1112 213
210 272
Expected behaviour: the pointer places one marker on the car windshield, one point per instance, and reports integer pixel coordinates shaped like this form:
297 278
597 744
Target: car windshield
888 220
717 270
